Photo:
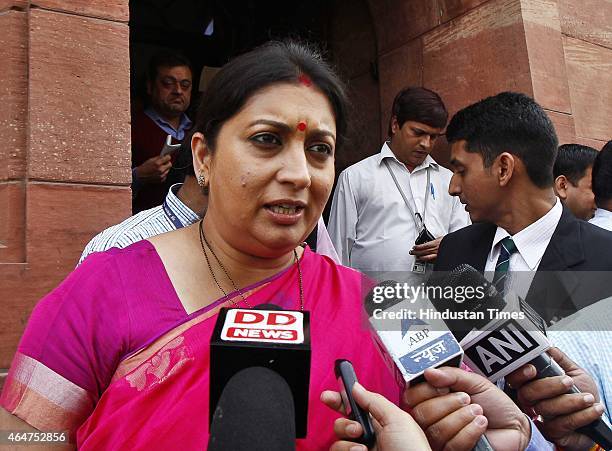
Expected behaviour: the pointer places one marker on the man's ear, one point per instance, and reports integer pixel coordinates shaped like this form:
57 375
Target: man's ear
505 167
202 156
561 184
394 125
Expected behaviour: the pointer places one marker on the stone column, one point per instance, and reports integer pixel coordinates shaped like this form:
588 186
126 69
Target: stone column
65 151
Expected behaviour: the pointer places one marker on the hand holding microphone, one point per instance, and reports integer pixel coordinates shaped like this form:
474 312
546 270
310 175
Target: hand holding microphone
455 408
563 412
395 429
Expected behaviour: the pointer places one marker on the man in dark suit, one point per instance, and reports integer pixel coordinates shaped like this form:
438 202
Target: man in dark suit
502 152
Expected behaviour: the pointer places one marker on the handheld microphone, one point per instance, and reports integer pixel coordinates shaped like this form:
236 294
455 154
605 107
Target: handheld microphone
514 337
408 343
271 338
255 412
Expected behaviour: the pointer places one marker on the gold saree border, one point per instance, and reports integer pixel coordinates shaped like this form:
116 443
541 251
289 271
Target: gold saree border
43 398
134 361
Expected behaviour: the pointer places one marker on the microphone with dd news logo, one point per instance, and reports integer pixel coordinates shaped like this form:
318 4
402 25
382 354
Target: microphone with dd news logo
267 337
513 338
255 413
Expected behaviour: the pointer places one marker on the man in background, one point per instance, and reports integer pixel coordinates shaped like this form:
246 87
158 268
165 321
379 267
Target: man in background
572 174
169 83
602 187
383 203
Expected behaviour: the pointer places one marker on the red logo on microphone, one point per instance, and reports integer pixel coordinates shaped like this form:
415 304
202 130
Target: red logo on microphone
270 326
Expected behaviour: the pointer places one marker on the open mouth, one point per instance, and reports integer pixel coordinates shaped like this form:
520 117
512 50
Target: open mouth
285 209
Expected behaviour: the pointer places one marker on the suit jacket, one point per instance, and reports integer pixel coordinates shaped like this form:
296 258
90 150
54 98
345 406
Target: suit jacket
575 270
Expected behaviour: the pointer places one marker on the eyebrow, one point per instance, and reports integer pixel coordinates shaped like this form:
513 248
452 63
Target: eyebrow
284 127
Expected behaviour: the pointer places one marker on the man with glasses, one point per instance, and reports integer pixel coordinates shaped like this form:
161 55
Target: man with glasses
169 82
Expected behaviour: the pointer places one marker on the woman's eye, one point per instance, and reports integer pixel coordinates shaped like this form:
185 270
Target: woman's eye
266 139
321 148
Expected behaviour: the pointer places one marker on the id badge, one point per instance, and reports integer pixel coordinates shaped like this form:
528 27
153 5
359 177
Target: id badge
419 267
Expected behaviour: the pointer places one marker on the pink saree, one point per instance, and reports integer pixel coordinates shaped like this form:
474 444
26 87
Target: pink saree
151 390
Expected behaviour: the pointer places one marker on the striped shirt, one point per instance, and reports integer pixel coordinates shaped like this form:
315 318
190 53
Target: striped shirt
143 225
586 338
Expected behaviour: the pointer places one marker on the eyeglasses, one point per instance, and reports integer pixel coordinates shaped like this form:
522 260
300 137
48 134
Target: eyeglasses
170 82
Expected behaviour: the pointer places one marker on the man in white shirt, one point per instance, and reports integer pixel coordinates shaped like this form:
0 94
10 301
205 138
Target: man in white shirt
381 203
602 187
503 150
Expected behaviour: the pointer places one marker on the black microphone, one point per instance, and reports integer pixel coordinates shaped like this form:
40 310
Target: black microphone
267 337
255 412
508 335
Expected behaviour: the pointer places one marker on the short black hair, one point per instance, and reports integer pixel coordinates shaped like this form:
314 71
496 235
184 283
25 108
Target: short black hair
509 122
572 161
419 105
166 58
602 174
184 160
286 61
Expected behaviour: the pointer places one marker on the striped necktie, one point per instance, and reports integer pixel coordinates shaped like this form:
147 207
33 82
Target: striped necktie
503 263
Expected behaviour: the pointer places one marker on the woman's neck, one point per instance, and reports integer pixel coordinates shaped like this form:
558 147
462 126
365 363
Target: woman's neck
244 269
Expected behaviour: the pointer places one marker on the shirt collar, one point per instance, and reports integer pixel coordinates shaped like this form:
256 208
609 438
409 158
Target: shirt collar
184 124
602 213
532 241
386 152
185 214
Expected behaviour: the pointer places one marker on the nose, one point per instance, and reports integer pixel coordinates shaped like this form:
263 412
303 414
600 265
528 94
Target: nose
426 141
294 169
454 187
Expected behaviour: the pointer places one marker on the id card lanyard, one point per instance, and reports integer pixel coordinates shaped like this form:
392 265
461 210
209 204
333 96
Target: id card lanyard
172 216
419 220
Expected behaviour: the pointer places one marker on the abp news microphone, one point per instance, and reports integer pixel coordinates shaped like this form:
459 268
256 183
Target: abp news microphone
506 335
263 337
408 344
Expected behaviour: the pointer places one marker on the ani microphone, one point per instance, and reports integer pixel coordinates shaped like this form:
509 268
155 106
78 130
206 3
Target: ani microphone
263 337
511 335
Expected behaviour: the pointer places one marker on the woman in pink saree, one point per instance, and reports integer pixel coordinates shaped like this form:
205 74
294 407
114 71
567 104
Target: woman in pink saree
118 354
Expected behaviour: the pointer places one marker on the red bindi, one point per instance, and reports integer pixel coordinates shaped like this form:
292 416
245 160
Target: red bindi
301 126
305 80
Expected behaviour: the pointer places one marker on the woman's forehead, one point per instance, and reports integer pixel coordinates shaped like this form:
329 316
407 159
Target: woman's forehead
291 102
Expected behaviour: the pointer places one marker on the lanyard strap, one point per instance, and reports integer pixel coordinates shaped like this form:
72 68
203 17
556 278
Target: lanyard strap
172 216
415 215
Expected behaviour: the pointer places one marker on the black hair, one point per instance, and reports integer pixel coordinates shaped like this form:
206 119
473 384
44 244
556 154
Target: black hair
184 160
509 122
602 174
165 58
572 161
420 105
274 62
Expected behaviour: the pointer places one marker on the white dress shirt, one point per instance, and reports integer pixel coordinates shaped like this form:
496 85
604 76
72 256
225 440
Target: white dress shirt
370 225
531 243
602 218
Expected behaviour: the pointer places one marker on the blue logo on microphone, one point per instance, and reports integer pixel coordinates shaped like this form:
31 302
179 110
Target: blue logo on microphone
409 322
